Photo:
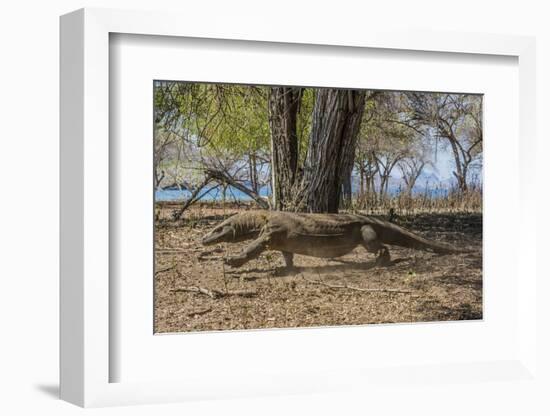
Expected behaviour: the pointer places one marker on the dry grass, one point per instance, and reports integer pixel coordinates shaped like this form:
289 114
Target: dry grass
442 287
450 201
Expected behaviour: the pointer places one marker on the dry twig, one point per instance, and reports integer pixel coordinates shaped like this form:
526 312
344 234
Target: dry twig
199 312
166 269
171 250
215 294
360 289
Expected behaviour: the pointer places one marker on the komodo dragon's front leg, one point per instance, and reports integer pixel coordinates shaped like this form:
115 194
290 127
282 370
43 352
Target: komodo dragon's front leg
373 245
252 251
289 259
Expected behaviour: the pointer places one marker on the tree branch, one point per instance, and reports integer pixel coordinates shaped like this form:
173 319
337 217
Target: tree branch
224 177
177 214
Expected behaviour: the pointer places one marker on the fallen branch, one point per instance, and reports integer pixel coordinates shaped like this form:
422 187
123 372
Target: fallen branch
244 293
205 258
199 312
197 289
215 294
360 289
171 250
186 250
166 269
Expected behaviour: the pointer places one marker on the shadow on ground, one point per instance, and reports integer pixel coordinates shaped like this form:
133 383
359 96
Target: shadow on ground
51 390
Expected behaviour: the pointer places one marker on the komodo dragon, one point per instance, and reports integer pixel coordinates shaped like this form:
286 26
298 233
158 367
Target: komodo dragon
317 235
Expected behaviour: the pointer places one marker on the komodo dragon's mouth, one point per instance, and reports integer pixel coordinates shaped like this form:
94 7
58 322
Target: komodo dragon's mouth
216 235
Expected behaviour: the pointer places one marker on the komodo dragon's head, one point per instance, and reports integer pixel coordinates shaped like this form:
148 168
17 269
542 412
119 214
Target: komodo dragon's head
239 227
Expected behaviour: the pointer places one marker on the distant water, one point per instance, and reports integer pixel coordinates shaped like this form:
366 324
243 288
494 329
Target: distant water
215 194
212 194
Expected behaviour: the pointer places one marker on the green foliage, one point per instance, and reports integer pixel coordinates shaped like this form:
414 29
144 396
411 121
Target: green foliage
227 126
218 118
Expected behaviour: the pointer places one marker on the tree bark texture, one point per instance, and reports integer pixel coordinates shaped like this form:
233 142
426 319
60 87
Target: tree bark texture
336 121
284 104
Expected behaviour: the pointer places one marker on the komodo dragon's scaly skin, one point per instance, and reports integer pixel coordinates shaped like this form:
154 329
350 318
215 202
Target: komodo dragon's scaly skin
318 235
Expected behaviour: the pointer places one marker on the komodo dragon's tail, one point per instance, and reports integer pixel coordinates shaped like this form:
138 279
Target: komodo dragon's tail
389 233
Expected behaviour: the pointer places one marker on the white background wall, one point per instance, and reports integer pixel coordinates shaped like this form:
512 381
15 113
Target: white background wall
29 56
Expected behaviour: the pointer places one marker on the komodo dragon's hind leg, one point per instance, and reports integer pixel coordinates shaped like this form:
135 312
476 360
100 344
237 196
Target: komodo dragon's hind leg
250 252
289 264
373 245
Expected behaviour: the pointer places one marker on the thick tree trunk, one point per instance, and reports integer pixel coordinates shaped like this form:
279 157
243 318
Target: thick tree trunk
284 103
336 120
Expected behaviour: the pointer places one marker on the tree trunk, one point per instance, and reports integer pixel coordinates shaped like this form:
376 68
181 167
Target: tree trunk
459 173
158 179
384 180
346 190
253 172
336 121
362 182
284 103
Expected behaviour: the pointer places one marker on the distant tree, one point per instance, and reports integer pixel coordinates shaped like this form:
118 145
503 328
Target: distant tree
416 159
385 140
411 167
366 167
456 118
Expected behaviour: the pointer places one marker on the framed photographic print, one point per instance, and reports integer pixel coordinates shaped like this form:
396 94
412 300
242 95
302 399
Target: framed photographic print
266 213
314 173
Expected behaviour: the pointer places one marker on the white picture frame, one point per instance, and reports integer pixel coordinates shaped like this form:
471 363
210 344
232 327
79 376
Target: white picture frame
85 220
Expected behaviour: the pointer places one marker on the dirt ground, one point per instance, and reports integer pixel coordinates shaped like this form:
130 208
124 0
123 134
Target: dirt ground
430 287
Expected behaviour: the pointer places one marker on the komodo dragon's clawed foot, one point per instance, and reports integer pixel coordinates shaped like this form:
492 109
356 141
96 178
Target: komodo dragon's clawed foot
384 258
290 268
252 251
235 261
